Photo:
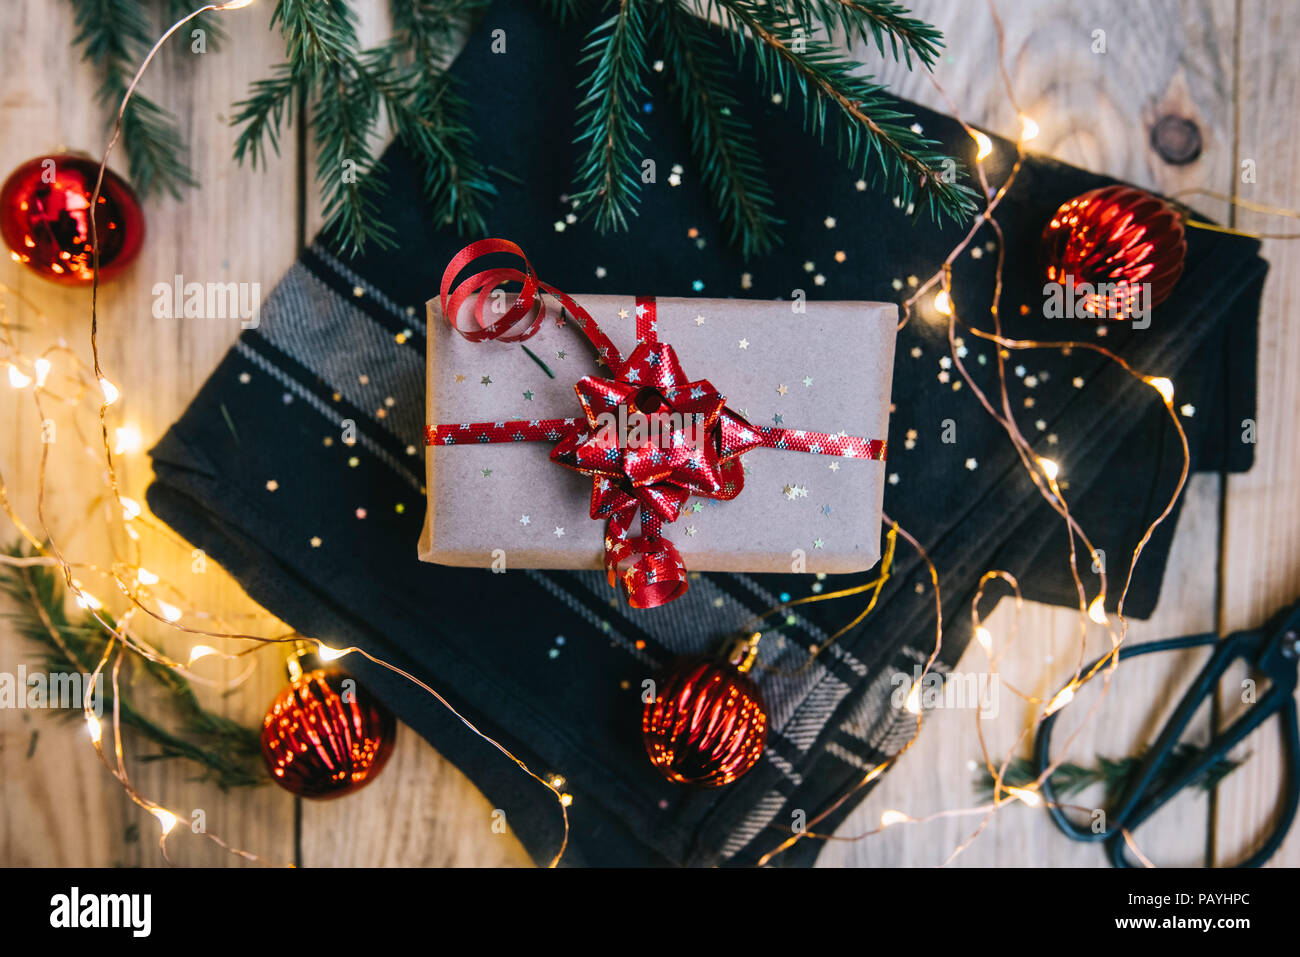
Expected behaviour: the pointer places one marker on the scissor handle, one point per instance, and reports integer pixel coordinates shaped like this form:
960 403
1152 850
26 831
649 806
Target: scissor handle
1225 651
1280 699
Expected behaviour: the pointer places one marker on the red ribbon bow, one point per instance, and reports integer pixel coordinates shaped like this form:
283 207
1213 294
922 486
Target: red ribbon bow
651 439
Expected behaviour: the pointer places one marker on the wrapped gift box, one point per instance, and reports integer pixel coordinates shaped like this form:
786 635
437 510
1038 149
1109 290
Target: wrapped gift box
821 366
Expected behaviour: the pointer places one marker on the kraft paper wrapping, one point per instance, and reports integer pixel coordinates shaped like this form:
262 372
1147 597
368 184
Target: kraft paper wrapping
826 369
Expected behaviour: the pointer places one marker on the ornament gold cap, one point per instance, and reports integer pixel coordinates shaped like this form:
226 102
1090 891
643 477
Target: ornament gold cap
302 659
744 652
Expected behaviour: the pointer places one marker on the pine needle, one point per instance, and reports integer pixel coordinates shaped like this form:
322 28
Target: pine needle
609 173
115 35
1114 774
722 142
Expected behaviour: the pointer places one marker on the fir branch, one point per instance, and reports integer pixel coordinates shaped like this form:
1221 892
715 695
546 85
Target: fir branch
875 21
115 35
429 121
721 139
346 169
227 752
609 181
872 127
345 89
270 103
1114 774
428 114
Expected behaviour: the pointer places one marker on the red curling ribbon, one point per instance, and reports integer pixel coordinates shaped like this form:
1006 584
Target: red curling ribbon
683 442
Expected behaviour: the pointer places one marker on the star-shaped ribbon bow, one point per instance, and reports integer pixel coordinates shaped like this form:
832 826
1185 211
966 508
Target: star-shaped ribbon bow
652 439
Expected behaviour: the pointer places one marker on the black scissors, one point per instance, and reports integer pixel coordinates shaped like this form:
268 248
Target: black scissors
1273 650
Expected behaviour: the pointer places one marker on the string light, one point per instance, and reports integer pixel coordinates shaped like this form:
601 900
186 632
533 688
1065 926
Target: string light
1029 797
913 703
166 819
326 653
1097 610
17 378
127 439
95 728
1163 386
1063 697
985 638
201 651
943 303
109 390
1052 494
169 611
145 577
891 817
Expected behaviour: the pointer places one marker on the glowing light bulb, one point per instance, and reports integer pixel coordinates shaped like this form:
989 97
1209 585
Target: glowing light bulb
42 370
130 508
17 378
109 390
326 653
234 4
1163 386
1097 610
914 699
985 144
145 577
566 799
1029 797
85 599
943 303
985 638
95 728
1028 128
893 817
1049 467
169 611
201 651
1063 697
166 819
127 439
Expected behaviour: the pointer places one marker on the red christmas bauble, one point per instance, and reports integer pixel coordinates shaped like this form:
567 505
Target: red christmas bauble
45 223
322 738
707 725
1118 240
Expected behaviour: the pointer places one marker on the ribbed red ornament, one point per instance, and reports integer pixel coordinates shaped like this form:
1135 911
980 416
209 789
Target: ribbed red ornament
1118 236
322 738
44 219
708 724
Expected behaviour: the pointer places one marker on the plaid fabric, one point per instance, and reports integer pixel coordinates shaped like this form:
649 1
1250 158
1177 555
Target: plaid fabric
552 662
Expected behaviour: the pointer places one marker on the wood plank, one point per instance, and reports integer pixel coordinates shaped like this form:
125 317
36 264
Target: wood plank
422 811
1261 568
61 806
1093 110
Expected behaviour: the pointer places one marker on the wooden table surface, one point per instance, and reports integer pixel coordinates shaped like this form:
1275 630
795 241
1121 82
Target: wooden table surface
1228 65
